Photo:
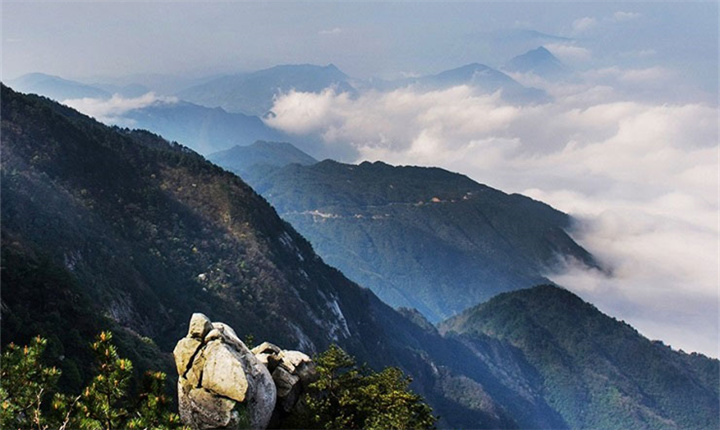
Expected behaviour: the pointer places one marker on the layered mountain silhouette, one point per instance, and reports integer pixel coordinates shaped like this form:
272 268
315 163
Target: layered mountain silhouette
110 228
56 87
423 238
205 130
486 79
254 161
254 93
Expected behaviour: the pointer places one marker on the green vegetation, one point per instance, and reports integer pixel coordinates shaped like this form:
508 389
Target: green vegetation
108 229
344 396
29 397
423 238
597 372
350 397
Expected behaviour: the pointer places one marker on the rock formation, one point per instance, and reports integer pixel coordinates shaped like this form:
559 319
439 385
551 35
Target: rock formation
292 372
224 385
221 384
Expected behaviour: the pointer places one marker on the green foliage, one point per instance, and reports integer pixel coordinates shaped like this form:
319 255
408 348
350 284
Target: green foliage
104 402
153 410
348 396
595 371
27 383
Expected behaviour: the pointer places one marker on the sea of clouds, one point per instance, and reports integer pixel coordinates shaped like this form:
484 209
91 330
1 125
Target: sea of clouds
638 173
113 111
631 153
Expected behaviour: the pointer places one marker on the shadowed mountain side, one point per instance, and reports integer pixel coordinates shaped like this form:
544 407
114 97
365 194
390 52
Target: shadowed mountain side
418 237
202 129
133 234
597 372
109 228
258 159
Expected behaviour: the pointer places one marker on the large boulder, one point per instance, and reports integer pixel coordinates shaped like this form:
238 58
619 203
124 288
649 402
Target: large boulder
221 385
292 372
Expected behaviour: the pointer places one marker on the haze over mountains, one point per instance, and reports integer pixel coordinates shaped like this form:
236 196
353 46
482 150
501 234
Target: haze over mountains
428 165
183 235
420 238
226 111
532 147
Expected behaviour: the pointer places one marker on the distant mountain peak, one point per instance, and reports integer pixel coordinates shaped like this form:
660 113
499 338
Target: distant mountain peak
254 93
539 61
55 87
265 155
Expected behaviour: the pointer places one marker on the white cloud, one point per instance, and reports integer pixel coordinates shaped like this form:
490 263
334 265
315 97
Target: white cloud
642 177
568 52
635 76
335 30
111 111
620 16
584 24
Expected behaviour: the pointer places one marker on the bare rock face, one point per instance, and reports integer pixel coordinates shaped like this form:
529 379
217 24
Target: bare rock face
292 372
221 384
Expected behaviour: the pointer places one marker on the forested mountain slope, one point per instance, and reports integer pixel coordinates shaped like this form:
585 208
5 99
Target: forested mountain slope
108 228
419 237
597 372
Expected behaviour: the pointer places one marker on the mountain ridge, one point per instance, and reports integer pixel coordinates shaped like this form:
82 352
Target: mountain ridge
253 93
110 228
539 61
419 237
591 363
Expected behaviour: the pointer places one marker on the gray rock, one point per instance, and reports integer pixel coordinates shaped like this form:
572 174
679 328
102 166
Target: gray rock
223 372
267 354
199 326
184 352
212 335
208 411
221 384
229 333
288 389
292 372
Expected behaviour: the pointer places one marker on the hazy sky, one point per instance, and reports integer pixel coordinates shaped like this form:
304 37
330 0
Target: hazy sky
80 39
630 147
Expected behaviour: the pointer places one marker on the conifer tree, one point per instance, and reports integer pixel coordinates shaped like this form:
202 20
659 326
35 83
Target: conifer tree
348 396
103 402
153 410
25 384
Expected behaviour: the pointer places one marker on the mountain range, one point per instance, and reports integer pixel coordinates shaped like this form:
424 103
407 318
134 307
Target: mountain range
423 238
217 113
597 372
56 87
104 227
205 130
253 93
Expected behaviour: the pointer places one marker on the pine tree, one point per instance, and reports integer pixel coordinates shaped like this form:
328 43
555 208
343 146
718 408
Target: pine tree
103 402
25 383
153 410
348 396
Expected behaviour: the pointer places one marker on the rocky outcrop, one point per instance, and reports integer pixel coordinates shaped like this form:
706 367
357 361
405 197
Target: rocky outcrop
221 384
292 372
224 385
